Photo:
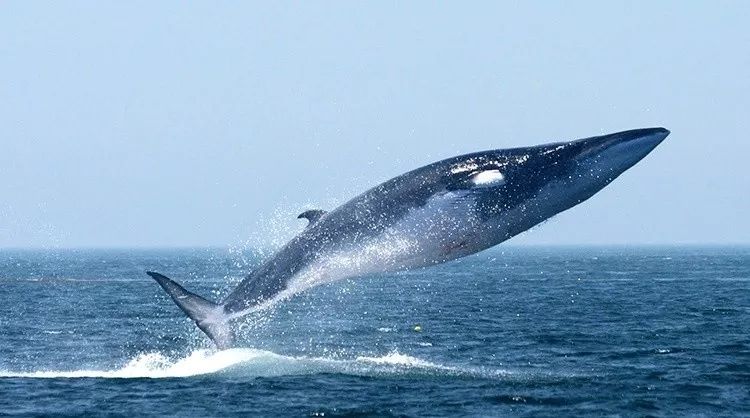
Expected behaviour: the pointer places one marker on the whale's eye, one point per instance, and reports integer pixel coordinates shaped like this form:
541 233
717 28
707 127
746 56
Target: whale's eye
488 178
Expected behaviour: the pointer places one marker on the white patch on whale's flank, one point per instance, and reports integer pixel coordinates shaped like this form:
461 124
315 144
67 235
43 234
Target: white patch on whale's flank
378 255
381 254
488 178
416 237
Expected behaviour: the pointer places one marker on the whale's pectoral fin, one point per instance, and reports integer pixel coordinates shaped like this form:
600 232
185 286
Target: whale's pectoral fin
312 215
209 316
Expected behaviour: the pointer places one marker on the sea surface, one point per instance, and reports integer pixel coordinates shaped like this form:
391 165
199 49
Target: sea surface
529 331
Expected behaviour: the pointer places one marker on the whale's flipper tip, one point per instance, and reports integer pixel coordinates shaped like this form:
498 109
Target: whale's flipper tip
207 315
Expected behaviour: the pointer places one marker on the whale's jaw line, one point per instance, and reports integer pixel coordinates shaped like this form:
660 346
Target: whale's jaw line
620 151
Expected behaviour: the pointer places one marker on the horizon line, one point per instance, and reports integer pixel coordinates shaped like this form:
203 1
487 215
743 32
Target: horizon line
271 248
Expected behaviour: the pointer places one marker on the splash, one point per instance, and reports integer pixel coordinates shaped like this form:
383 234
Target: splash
247 362
403 360
156 365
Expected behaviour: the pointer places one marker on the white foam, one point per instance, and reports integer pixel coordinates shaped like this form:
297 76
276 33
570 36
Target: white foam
156 365
255 363
488 178
397 359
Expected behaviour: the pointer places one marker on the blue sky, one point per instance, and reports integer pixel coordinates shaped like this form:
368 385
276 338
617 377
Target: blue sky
201 123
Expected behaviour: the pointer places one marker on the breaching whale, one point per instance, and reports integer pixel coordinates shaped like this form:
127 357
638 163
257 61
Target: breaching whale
436 213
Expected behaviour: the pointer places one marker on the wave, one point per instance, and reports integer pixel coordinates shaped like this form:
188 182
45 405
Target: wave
249 362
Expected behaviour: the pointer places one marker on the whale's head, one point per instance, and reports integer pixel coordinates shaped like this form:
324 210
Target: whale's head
515 189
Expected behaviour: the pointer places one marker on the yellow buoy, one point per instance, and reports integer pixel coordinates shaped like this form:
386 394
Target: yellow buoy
418 328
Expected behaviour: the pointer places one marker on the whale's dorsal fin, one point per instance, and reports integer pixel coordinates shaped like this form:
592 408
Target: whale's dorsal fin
312 215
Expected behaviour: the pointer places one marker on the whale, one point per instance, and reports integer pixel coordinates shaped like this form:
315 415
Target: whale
434 214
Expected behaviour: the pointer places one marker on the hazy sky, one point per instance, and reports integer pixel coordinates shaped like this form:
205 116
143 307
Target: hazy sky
186 123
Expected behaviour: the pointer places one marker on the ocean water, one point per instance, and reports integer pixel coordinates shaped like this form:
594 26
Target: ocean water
658 331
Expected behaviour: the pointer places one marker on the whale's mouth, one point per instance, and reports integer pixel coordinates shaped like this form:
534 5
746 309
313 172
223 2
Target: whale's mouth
655 135
610 155
628 147
640 142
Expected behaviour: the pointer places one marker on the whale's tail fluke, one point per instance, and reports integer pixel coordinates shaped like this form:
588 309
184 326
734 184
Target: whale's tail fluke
209 316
